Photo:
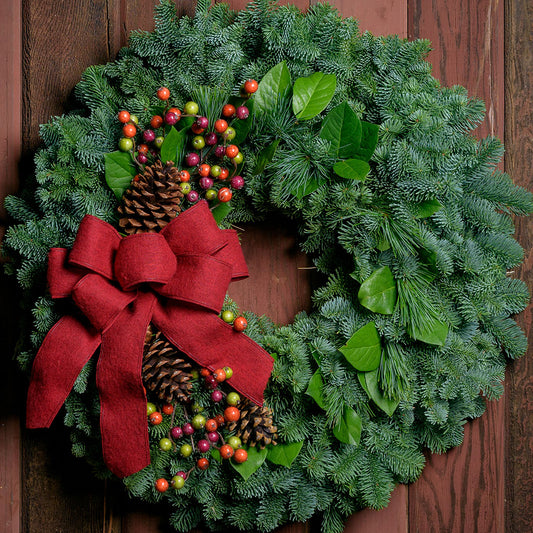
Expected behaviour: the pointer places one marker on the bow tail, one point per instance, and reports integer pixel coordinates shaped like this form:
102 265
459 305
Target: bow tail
214 344
123 422
61 357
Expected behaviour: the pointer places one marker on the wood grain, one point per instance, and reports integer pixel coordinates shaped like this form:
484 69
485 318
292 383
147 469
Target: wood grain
518 162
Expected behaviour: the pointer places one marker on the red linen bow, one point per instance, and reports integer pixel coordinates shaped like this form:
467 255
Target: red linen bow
176 279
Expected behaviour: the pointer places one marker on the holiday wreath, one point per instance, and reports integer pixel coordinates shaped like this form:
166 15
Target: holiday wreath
404 213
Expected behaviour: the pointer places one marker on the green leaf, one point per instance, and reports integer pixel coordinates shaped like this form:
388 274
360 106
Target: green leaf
284 454
172 147
256 458
375 394
215 454
265 157
352 169
185 123
314 389
427 208
362 381
242 127
311 185
276 84
363 350
432 332
369 140
342 128
348 430
119 171
220 211
311 95
378 292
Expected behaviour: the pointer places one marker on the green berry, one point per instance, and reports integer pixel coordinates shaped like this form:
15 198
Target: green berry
150 408
125 144
185 187
134 119
228 316
191 108
238 159
233 398
195 374
198 421
234 442
186 450
177 482
230 134
215 171
198 142
158 141
196 407
165 444
229 372
211 194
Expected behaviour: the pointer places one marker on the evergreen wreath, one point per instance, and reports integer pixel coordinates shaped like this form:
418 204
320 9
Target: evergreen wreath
412 328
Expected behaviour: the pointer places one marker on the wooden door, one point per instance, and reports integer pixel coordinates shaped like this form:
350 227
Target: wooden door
483 486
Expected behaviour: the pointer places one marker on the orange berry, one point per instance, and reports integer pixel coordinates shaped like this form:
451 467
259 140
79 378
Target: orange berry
176 111
224 195
163 93
129 130
241 455
202 464
184 175
124 117
161 485
250 86
142 149
156 121
168 409
221 125
228 110
220 419
231 414
205 372
211 425
204 170
240 323
224 173
232 150
220 375
156 418
197 129
226 451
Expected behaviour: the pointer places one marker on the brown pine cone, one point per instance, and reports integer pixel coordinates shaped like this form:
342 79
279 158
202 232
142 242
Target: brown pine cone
152 200
255 426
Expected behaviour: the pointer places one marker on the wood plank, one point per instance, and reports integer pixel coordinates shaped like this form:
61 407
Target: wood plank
518 162
464 489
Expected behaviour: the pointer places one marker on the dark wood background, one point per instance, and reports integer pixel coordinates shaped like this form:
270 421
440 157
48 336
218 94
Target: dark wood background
483 486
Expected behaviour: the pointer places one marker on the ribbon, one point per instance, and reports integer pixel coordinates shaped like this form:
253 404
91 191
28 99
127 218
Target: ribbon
176 279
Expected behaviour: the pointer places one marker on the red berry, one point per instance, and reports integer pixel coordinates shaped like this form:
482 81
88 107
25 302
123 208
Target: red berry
205 372
171 118
148 136
203 445
193 197
202 464
156 418
219 375
231 414
161 485
129 130
192 159
184 176
142 149
232 150
176 111
195 128
187 429
220 151
224 195
168 409
213 436
204 169
211 425
240 323
221 125
220 419
205 183
243 112
250 86
211 139
241 455
156 121
163 93
216 396
228 110
176 432
226 451
202 122
224 173
124 117
237 182
142 158
182 474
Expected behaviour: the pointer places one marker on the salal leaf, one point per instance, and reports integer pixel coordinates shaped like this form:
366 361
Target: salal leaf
369 140
220 211
284 454
427 208
315 388
312 94
433 331
342 128
185 123
378 292
276 84
242 127
352 169
256 458
375 394
348 430
265 157
363 349
119 171
172 147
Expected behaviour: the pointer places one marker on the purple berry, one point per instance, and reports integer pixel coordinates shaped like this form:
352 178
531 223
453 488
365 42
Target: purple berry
188 429
192 159
212 436
182 474
217 396
171 118
243 112
193 197
206 183
203 445
142 158
210 381
237 182
176 432
211 139
220 151
202 122
148 136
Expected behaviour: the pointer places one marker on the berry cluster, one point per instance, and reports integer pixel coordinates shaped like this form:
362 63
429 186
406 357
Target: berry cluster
211 149
199 435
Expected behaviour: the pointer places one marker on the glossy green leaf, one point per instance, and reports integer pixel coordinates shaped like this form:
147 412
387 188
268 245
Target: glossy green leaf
242 127
348 430
312 94
256 457
378 292
284 454
352 169
173 145
276 83
375 394
119 171
342 128
311 185
363 350
369 140
314 389
265 157
362 381
433 332
220 211
427 208
185 123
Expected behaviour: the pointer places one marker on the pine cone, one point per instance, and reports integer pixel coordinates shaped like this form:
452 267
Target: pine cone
152 200
164 371
255 425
